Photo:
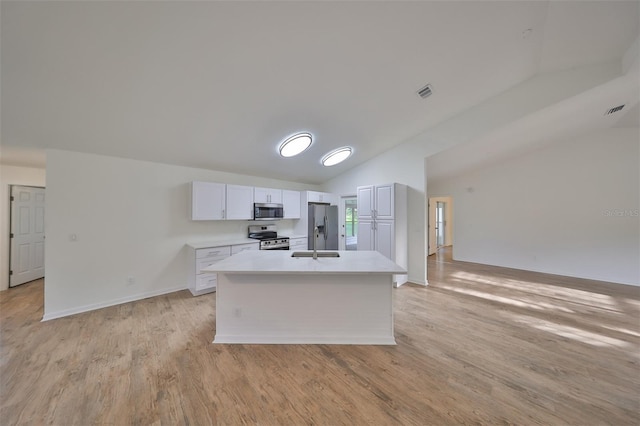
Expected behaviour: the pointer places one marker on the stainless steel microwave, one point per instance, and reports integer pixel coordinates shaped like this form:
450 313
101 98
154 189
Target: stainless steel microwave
267 211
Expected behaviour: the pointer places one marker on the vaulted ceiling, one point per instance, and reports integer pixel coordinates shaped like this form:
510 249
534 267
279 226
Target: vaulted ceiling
219 84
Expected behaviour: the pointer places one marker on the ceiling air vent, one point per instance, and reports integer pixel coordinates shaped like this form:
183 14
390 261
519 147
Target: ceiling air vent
425 91
612 110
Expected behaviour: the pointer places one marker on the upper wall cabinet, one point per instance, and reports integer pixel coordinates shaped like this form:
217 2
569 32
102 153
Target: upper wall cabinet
267 195
239 202
321 197
219 201
366 202
208 201
376 202
385 201
291 204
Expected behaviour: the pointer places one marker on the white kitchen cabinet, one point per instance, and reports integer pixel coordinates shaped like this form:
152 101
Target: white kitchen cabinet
235 249
384 238
198 259
321 197
376 202
384 202
382 222
377 236
298 243
366 236
267 195
239 202
366 202
291 204
208 201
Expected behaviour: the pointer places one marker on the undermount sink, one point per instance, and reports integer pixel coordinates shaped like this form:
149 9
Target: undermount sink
320 254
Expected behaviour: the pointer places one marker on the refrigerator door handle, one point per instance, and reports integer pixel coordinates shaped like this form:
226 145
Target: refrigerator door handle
326 228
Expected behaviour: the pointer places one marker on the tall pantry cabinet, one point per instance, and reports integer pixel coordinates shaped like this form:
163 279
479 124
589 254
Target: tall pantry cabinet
382 222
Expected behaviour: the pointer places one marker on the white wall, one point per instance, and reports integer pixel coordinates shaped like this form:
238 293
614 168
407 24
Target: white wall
12 175
406 164
131 218
569 208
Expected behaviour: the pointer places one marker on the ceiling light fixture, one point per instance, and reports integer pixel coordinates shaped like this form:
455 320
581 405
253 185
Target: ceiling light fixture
337 156
295 144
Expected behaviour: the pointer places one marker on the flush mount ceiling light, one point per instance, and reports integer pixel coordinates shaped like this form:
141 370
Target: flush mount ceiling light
295 144
337 156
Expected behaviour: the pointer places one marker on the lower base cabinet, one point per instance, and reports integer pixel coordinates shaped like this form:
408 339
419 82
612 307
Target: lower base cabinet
200 283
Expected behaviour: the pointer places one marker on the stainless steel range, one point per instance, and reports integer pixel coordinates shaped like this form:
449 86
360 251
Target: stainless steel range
268 236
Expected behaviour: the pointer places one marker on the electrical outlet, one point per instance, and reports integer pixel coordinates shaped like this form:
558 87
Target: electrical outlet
237 312
131 280
73 238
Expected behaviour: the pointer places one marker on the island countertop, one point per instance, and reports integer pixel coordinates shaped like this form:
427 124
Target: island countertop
281 262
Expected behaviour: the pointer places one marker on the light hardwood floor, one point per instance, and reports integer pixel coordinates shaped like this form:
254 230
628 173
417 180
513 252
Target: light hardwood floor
480 345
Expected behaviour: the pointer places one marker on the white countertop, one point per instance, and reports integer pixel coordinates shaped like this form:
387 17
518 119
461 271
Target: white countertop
281 262
223 242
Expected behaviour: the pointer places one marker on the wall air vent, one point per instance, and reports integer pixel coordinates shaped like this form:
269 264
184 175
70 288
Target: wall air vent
612 110
425 91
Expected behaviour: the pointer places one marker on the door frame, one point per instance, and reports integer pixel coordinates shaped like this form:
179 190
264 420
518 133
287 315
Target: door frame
9 257
432 242
342 244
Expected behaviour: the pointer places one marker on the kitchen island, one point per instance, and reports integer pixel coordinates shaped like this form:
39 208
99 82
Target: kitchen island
268 296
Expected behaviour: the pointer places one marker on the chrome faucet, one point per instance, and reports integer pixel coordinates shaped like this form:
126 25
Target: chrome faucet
315 240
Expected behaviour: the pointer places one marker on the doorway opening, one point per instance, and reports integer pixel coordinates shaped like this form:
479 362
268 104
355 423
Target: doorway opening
440 224
27 234
349 223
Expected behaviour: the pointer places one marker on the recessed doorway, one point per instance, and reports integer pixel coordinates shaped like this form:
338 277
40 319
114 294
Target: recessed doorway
27 233
349 223
440 223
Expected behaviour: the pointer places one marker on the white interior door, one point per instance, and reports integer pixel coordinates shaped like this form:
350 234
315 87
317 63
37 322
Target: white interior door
27 234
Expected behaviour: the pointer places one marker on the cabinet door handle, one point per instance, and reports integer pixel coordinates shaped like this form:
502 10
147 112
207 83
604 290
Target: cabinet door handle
223 215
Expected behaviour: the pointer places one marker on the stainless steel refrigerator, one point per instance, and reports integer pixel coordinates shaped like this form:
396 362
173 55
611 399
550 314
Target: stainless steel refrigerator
325 217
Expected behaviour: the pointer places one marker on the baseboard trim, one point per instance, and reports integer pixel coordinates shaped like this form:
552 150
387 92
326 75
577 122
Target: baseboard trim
114 302
419 282
303 340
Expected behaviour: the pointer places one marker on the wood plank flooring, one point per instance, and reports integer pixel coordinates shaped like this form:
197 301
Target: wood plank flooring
480 345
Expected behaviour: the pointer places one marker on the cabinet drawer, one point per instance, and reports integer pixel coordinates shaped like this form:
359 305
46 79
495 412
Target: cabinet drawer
213 251
206 281
245 247
203 263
